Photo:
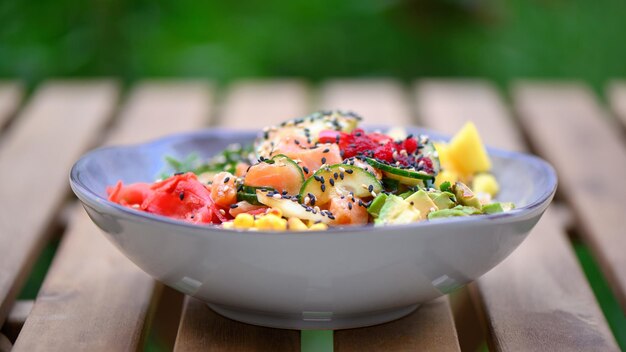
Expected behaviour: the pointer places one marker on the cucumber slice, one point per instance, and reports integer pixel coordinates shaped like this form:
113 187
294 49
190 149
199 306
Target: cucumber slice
341 180
248 197
404 176
390 185
292 208
309 127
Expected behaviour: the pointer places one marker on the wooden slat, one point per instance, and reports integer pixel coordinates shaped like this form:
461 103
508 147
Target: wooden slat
568 127
430 328
538 298
10 98
93 298
387 104
248 104
60 122
264 103
379 101
617 98
204 330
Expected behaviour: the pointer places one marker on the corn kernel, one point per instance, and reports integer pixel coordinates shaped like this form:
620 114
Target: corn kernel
485 183
296 224
243 221
270 222
228 225
318 227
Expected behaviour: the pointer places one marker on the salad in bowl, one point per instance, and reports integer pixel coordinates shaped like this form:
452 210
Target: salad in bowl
324 171
318 222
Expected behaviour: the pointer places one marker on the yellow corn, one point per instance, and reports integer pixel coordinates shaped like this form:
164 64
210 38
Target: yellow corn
318 227
243 221
228 225
275 211
296 224
270 222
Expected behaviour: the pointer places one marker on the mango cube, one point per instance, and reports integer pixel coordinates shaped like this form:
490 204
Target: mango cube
467 152
485 183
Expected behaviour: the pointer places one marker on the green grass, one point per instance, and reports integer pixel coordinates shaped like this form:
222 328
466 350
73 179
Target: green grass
225 40
610 307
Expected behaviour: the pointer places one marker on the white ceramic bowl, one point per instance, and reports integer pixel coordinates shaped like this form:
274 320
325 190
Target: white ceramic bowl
342 278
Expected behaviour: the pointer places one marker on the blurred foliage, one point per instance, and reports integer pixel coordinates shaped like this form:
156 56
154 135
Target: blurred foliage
314 39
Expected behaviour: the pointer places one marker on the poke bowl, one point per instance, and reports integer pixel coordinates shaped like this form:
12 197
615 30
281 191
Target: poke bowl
334 278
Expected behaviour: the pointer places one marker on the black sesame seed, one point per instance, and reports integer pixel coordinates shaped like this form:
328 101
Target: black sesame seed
318 178
233 206
349 171
178 173
325 150
297 142
370 188
181 195
323 160
341 175
305 169
349 205
335 175
323 188
332 182
226 179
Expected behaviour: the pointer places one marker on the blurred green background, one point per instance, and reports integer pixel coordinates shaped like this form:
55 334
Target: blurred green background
223 40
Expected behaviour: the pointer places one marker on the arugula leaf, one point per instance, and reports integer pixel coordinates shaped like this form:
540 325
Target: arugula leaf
445 187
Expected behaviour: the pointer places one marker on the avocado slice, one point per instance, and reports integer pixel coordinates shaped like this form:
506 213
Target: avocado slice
465 196
422 202
397 211
377 204
443 200
446 213
495 208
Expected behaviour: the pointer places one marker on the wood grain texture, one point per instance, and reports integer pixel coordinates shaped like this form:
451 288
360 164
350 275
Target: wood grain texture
378 101
254 104
60 122
616 94
11 94
429 328
567 126
93 298
432 326
248 104
538 298
204 330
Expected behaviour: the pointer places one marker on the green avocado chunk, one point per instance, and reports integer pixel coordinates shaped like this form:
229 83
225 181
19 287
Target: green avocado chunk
377 204
465 196
446 213
397 211
422 202
443 200
495 208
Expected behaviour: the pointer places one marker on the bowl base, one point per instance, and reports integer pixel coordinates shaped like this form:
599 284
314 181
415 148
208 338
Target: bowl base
312 320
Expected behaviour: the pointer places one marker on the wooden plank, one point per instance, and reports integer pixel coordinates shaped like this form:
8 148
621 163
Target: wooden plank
429 328
566 125
617 99
538 298
265 103
387 104
377 100
93 298
63 118
10 97
204 330
17 316
248 104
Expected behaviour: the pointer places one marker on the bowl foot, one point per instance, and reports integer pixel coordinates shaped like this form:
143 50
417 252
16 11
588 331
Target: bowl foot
312 320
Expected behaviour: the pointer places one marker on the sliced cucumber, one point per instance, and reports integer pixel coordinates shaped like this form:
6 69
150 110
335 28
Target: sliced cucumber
248 197
292 208
404 176
308 127
390 185
342 180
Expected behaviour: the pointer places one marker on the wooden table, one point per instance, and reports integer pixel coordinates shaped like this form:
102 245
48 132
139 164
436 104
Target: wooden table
94 299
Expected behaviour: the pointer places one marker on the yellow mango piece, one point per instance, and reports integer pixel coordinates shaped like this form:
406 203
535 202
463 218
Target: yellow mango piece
485 183
467 152
444 158
446 175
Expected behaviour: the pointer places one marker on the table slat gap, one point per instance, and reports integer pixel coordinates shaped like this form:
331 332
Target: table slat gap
431 327
567 125
62 118
249 104
538 296
93 297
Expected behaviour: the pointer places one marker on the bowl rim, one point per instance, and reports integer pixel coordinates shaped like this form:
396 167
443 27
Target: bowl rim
90 197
